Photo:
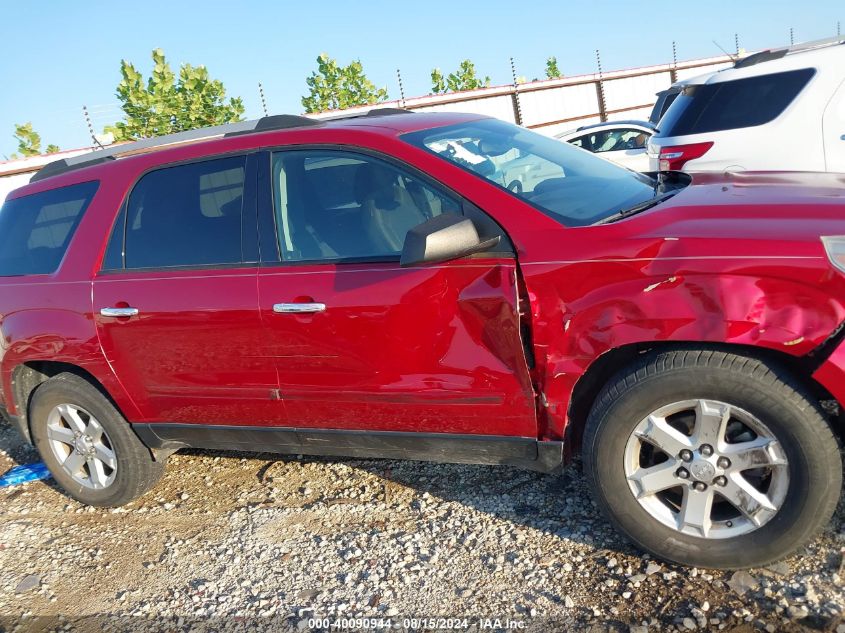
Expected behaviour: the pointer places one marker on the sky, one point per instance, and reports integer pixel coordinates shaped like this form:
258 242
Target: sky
57 56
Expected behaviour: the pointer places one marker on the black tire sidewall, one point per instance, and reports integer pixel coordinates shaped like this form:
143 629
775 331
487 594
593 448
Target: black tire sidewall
810 478
71 390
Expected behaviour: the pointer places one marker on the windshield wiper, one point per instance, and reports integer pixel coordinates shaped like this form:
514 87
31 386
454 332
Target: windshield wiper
637 208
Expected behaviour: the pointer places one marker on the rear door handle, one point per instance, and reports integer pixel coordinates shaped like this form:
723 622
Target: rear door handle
119 312
298 308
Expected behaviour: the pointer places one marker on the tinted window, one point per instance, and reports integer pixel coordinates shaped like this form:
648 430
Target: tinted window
187 215
337 205
730 105
664 100
615 140
35 230
569 185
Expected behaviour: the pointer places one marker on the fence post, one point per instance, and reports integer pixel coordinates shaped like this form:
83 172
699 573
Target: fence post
401 89
517 108
673 74
263 100
90 126
600 91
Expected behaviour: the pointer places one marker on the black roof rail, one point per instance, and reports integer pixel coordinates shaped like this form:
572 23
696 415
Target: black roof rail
388 111
777 53
759 58
276 122
112 152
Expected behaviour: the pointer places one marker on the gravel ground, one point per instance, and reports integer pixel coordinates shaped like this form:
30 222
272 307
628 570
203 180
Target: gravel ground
229 541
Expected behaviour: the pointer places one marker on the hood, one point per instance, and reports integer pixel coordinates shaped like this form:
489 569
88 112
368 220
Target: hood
776 206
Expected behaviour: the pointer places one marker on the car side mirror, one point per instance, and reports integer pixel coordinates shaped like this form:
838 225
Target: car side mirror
443 238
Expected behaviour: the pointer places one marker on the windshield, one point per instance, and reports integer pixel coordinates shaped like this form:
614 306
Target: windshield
569 184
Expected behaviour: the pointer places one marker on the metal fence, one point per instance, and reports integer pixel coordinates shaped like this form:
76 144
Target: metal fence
557 105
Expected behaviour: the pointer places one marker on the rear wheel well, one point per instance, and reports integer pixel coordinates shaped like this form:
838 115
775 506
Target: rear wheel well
608 364
28 376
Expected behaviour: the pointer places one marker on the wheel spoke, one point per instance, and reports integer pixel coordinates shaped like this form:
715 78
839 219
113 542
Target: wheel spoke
97 473
652 480
94 430
105 455
757 453
60 434
657 431
747 499
696 507
71 415
711 420
74 462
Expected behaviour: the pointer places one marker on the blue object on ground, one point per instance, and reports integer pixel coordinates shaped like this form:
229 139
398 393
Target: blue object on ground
24 474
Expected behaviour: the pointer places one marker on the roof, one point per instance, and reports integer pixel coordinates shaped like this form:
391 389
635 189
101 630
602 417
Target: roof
235 137
385 118
828 53
645 125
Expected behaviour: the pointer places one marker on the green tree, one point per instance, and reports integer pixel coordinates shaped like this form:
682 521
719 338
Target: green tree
29 141
335 87
438 82
464 78
552 70
164 104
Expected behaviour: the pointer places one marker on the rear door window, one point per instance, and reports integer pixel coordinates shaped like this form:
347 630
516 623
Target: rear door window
35 230
730 105
187 215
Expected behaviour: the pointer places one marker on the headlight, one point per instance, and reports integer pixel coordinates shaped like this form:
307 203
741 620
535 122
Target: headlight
834 246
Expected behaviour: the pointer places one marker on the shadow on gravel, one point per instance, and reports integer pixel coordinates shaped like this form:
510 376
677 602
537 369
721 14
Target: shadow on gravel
558 504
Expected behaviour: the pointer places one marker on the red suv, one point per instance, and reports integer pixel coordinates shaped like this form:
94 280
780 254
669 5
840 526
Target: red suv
440 287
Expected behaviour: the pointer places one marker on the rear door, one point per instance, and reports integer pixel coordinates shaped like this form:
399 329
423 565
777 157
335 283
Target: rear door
834 132
363 344
176 304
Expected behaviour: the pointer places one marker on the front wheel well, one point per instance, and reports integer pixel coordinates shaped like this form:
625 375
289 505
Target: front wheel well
602 370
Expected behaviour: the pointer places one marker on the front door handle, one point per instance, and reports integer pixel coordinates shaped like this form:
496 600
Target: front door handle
298 308
119 312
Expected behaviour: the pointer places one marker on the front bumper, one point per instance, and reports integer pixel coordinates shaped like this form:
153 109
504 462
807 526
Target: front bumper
17 423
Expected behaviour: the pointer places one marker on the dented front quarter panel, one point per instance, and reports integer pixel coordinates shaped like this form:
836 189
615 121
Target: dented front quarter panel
752 275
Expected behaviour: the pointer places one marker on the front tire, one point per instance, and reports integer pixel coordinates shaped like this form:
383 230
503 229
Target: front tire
712 459
87 445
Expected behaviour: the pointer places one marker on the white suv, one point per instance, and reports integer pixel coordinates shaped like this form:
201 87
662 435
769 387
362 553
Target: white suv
781 109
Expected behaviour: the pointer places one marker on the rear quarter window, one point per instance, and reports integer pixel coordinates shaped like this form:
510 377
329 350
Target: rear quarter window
732 105
35 230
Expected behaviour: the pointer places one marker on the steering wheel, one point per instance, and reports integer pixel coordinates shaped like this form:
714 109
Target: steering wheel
515 186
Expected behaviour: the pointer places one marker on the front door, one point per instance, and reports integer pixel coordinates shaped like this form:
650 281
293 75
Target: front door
361 343
176 305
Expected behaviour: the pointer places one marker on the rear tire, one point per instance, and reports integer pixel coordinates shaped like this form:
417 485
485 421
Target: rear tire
683 510
88 446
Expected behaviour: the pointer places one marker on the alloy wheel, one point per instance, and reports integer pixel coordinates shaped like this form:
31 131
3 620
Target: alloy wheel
706 468
81 446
